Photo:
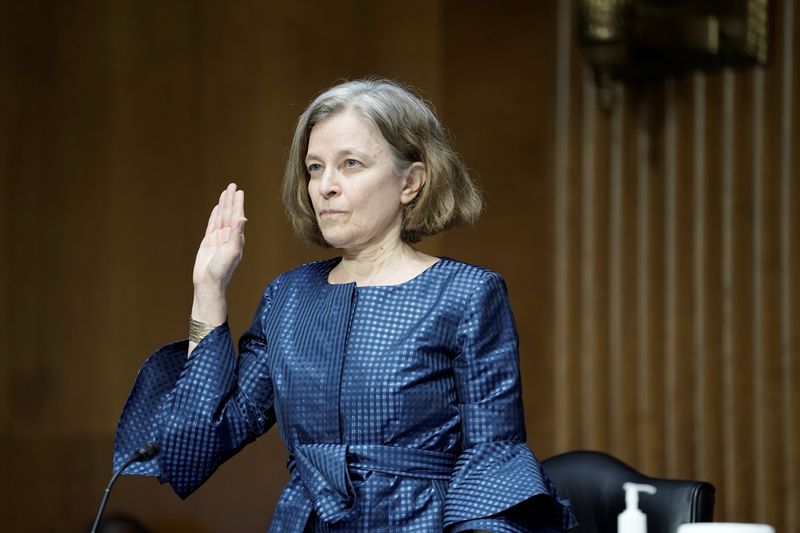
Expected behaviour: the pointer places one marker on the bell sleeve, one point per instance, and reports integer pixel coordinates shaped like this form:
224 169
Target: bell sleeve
200 410
497 484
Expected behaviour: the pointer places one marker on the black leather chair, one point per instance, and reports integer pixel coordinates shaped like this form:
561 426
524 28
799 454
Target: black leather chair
592 481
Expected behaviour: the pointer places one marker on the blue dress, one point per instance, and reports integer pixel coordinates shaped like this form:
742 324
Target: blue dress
399 405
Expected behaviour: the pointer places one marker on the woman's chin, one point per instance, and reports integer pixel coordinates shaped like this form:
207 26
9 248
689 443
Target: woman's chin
355 240
335 239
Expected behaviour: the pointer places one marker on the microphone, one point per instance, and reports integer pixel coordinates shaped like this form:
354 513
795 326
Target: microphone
146 451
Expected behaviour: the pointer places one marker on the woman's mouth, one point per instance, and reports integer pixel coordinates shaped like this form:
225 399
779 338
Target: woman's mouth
330 213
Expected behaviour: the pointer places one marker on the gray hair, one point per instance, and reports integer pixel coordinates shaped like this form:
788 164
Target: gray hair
413 133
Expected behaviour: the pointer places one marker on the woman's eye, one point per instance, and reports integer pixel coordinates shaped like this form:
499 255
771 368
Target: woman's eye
314 167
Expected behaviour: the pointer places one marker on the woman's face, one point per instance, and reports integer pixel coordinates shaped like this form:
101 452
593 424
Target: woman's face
357 194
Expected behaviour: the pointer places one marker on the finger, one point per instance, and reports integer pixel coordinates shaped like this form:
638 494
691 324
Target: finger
240 230
212 220
227 205
219 208
238 213
238 204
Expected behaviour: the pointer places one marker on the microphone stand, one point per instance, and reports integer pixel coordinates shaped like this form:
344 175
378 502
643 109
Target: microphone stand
147 451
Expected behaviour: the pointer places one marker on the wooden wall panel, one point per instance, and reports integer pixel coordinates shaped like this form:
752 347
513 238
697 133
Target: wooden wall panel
701 343
497 104
790 259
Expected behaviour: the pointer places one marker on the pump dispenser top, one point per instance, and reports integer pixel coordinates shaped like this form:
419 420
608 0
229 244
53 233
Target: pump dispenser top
632 519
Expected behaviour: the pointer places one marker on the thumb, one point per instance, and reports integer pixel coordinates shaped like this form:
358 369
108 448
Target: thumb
240 226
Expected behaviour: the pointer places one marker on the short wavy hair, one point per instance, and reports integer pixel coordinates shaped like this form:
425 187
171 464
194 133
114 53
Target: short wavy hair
413 133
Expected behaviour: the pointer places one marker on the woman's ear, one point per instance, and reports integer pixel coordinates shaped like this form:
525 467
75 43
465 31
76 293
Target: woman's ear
415 180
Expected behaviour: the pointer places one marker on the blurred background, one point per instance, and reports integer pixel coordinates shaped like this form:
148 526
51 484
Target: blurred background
649 241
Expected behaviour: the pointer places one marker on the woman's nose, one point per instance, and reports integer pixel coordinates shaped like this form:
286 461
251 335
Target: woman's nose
329 184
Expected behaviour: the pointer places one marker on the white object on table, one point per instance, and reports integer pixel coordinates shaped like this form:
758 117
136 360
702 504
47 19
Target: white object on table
725 527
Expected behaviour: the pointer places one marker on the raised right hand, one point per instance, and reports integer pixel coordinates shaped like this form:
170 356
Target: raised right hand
222 246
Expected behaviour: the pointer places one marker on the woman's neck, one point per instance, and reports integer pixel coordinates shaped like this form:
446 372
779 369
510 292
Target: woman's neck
388 264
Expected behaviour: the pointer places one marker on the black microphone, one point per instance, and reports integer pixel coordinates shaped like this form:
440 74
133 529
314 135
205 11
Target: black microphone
145 452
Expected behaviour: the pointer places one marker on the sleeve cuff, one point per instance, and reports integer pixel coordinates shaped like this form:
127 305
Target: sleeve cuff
503 482
142 417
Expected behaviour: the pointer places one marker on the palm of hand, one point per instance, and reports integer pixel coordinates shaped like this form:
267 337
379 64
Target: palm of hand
222 246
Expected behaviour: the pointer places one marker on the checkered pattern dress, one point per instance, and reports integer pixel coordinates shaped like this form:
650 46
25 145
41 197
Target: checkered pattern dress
399 405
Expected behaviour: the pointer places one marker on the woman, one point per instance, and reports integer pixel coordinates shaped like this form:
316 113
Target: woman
392 374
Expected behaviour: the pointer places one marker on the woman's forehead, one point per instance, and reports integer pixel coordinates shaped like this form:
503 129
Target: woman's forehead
342 131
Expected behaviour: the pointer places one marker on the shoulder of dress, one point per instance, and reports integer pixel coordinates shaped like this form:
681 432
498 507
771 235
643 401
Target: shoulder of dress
464 282
470 271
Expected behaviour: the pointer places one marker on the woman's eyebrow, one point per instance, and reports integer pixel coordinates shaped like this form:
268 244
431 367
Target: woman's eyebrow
354 151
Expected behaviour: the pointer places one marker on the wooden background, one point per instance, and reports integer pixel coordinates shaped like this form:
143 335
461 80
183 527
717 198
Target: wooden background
651 252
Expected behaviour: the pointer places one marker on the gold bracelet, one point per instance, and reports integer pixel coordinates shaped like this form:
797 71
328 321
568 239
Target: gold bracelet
198 330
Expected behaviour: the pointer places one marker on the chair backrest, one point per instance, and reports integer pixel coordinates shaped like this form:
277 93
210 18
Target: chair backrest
592 481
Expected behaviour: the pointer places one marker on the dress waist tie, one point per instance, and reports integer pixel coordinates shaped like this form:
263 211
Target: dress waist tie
324 471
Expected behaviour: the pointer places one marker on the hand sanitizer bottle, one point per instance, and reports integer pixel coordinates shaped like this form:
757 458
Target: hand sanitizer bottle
633 520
